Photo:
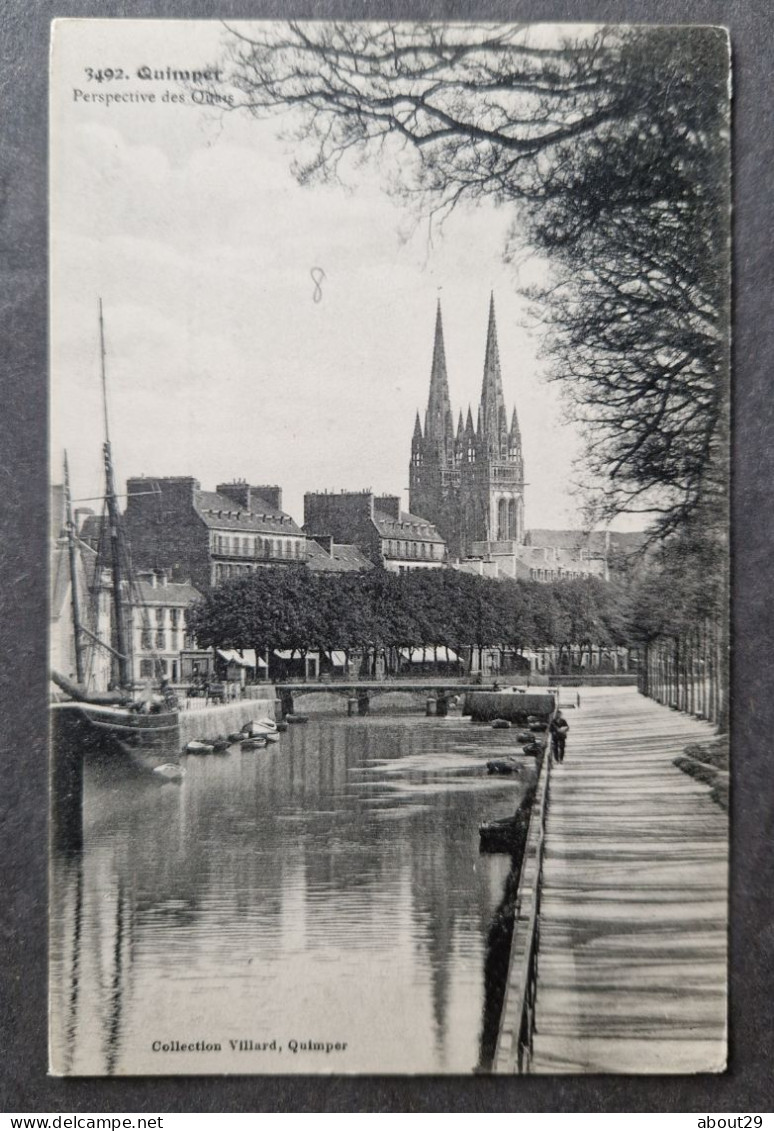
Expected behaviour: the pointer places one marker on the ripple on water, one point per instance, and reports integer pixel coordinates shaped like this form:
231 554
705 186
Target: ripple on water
336 881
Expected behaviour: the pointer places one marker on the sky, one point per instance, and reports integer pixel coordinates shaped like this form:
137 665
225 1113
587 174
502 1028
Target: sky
220 363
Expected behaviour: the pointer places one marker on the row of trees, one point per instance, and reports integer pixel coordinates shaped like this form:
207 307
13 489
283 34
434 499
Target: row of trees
297 609
679 610
611 146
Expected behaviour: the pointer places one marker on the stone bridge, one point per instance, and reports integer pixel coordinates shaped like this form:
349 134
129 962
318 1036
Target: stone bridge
359 693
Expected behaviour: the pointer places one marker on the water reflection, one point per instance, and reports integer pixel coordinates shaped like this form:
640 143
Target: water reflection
328 889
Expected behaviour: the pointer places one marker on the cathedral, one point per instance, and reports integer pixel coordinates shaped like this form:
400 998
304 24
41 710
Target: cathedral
468 483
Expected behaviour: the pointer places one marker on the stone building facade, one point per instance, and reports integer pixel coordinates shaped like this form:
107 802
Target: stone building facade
159 629
386 535
205 537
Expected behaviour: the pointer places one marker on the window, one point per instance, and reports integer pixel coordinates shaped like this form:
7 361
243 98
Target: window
174 617
502 520
146 669
145 640
160 638
159 616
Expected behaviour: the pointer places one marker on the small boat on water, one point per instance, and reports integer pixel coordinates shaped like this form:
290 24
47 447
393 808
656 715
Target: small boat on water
503 766
500 724
260 727
196 747
253 743
503 835
169 772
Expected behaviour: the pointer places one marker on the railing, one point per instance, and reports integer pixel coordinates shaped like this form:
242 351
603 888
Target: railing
513 1051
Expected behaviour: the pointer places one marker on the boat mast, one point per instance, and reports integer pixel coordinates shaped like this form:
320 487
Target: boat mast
113 528
70 528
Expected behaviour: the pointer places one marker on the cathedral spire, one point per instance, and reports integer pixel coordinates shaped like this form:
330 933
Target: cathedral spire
417 429
437 420
515 430
493 417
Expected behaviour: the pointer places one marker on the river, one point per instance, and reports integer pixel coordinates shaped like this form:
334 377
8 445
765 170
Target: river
325 891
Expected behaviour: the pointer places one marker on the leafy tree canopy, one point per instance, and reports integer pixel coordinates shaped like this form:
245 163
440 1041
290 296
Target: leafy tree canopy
612 146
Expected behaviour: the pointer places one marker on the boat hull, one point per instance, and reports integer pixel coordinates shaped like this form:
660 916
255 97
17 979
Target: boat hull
507 835
113 734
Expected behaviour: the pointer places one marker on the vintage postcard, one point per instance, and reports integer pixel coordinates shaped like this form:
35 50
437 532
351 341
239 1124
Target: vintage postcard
389 555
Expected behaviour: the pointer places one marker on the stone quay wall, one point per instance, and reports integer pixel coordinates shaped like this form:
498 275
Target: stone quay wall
209 722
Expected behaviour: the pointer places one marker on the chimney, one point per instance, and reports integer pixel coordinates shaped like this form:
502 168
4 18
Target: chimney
238 493
389 505
272 494
178 491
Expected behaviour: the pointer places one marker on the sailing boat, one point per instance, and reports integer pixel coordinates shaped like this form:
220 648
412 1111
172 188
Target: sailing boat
109 725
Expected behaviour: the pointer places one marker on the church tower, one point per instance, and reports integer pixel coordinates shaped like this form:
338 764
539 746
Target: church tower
433 473
491 496
469 483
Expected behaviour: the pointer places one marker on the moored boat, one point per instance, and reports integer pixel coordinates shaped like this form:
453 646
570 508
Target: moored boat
503 835
254 743
100 731
503 766
109 725
169 771
196 747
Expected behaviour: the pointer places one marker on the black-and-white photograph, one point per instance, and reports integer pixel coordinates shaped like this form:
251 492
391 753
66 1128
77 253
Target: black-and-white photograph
389 548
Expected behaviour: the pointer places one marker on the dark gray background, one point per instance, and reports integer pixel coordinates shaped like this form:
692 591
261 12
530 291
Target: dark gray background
24 1086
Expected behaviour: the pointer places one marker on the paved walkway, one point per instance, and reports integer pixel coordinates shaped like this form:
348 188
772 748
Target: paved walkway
633 918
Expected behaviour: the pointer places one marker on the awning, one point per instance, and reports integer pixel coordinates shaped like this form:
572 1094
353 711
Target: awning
428 655
245 659
338 659
289 654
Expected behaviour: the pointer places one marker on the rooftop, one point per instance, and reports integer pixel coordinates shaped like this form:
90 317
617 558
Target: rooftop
343 558
221 513
409 527
175 593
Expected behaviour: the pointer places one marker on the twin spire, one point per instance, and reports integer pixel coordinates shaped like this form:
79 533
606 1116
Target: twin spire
439 427
491 434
